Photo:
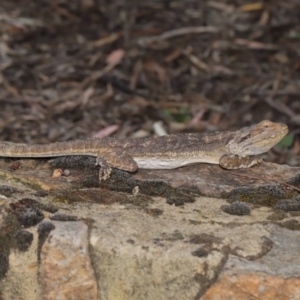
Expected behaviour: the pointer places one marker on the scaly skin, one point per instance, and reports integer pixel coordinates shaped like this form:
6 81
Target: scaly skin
230 149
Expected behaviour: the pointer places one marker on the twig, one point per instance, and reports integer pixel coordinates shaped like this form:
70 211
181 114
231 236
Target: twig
176 32
281 107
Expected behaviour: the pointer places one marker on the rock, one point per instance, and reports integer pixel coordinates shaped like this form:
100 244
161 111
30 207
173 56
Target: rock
104 245
273 276
65 267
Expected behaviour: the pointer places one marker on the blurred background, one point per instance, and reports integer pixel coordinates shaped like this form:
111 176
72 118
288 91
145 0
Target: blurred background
95 68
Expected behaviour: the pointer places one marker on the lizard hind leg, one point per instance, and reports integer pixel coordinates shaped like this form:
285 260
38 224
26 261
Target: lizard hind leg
116 159
236 162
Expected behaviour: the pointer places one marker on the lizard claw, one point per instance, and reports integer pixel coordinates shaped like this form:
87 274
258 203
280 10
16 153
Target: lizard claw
105 169
104 173
259 161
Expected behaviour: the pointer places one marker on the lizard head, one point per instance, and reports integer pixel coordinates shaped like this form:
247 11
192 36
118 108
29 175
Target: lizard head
257 139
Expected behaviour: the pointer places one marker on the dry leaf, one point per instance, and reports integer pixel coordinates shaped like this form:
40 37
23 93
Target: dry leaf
252 7
106 131
154 67
115 57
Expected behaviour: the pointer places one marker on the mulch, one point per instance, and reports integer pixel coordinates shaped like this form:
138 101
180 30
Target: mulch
79 69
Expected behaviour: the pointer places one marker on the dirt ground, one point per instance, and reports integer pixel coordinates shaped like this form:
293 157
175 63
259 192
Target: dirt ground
79 69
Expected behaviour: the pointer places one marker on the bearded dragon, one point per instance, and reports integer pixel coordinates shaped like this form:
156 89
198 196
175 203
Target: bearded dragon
230 149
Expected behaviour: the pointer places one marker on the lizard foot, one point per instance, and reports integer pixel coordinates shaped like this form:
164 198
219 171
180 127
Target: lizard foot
105 169
235 162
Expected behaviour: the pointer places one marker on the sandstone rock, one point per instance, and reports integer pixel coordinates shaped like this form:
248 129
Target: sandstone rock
65 268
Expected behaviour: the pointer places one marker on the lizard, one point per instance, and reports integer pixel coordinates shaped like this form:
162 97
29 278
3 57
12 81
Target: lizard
230 149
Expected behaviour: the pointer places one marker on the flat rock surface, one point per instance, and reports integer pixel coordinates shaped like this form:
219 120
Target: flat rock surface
213 180
178 185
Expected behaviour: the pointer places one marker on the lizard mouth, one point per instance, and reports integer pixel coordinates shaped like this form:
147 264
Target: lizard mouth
285 130
282 133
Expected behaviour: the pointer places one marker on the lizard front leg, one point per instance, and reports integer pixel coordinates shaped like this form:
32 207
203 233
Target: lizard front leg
116 159
105 168
231 161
